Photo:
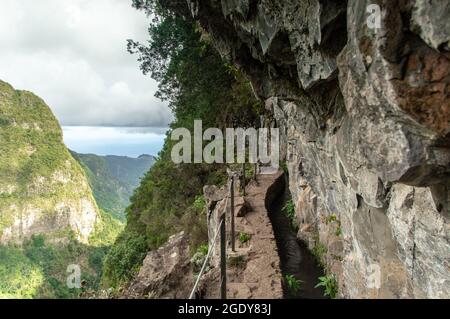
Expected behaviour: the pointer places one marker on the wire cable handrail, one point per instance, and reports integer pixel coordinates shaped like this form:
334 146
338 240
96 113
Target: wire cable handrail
208 256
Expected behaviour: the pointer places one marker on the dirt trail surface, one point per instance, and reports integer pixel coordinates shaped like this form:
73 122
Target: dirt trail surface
254 269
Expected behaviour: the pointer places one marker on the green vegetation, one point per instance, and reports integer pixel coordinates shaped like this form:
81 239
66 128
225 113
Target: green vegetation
197 84
330 285
38 268
106 231
113 179
249 172
289 210
293 284
40 181
203 250
284 167
124 259
244 238
199 203
333 220
237 261
19 277
319 251
129 170
37 172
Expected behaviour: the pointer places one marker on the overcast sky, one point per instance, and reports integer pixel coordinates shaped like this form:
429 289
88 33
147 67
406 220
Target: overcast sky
72 53
114 140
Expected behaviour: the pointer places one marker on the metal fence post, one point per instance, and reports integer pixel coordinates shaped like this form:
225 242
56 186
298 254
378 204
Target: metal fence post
233 234
243 178
223 259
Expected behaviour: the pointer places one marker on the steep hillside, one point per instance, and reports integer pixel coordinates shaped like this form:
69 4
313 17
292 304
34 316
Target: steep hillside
114 178
129 170
42 188
48 216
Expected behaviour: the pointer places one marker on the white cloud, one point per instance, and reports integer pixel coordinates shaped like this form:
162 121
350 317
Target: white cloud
72 53
132 141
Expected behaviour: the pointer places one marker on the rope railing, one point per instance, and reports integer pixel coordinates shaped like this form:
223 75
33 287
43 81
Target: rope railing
205 263
222 230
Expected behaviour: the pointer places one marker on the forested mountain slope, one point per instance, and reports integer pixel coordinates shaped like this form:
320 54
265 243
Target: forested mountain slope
114 178
48 216
42 188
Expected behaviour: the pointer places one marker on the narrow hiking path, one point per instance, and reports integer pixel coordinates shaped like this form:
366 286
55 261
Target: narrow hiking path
253 270
260 277
267 248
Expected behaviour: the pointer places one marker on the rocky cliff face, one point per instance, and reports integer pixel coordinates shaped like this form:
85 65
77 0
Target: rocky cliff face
364 112
43 190
166 272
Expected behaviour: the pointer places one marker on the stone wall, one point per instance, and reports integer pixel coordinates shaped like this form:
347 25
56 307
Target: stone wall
364 113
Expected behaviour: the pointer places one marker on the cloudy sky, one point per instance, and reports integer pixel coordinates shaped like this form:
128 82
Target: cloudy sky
72 53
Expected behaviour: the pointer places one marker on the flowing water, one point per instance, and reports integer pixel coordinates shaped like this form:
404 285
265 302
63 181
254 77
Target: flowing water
295 257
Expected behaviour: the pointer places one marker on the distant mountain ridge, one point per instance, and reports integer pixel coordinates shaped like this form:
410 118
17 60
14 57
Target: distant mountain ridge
114 178
130 170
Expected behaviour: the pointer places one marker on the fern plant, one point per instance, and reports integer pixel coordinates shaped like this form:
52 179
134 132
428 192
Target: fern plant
244 238
203 249
293 284
289 210
330 285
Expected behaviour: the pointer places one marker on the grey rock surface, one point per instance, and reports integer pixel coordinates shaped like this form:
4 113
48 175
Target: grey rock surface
165 273
364 116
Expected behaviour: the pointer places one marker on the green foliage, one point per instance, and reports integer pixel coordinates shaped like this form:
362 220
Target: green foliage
244 238
20 278
249 171
289 210
237 261
293 284
4 121
319 251
199 203
113 179
129 170
284 167
203 249
106 231
330 285
333 219
36 169
124 259
38 269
